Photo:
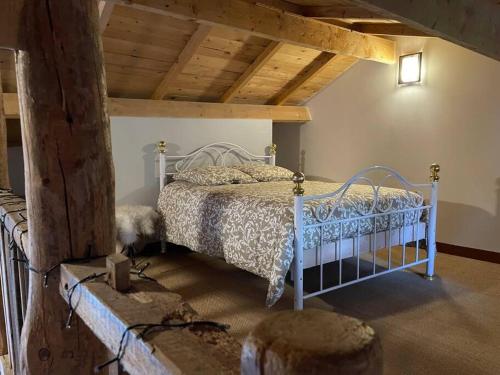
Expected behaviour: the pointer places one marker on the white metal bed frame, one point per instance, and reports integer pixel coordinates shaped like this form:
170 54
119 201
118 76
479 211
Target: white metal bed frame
341 248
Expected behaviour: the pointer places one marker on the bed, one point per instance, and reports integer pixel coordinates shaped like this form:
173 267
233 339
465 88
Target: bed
268 228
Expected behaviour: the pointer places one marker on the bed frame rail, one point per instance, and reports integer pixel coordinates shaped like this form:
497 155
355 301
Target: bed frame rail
417 223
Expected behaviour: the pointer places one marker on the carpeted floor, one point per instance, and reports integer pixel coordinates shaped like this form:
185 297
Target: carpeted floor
448 326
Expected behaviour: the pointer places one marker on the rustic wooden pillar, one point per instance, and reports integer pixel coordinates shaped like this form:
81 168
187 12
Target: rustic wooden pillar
311 342
68 171
4 166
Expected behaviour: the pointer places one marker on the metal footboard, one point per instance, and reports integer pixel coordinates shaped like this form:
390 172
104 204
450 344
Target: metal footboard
361 240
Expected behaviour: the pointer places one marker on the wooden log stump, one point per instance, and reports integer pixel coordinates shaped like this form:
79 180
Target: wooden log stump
311 342
68 171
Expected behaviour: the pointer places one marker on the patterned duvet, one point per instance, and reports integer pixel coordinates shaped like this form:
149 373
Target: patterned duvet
251 225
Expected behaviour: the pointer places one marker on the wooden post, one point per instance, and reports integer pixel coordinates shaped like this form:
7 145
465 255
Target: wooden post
69 172
4 166
311 342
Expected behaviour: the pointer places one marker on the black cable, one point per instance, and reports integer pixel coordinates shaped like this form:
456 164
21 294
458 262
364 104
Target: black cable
71 291
140 272
146 328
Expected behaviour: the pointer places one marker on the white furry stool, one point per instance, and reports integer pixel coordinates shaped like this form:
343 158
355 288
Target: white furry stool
135 226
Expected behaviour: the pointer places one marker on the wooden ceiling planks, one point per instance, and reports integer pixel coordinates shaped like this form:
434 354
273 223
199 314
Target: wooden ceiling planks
226 65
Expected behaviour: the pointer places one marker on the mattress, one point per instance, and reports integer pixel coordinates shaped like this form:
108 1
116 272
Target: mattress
251 225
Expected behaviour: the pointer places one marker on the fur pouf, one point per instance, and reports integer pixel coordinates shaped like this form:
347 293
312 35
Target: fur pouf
134 223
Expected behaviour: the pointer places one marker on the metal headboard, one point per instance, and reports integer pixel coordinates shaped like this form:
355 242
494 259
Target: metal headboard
220 153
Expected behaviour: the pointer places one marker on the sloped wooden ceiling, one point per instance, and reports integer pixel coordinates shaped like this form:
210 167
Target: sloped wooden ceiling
141 47
152 55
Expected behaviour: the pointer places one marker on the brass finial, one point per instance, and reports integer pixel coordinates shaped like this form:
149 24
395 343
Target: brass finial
298 179
272 149
435 168
161 147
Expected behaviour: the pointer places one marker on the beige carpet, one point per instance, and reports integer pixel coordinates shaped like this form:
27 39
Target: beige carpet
448 326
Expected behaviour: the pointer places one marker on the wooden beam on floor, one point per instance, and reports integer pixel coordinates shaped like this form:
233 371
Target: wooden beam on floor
69 173
108 313
252 70
273 24
170 108
105 11
473 24
310 72
392 29
10 15
182 60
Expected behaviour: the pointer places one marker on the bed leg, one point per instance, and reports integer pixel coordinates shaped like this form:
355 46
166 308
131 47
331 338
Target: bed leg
429 273
163 246
431 250
298 269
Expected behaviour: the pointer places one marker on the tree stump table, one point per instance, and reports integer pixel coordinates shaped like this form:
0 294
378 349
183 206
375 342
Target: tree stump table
311 342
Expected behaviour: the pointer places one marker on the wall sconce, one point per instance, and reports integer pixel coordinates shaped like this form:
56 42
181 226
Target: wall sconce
410 69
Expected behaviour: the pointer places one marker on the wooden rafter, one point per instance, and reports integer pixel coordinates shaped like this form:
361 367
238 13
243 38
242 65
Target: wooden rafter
105 11
252 70
182 60
398 29
338 11
170 108
275 25
310 72
473 24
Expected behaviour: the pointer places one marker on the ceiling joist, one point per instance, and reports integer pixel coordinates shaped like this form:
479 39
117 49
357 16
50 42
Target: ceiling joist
473 24
394 29
166 108
182 60
252 70
275 25
310 72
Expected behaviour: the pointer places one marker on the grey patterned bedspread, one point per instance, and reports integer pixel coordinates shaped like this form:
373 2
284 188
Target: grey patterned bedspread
251 225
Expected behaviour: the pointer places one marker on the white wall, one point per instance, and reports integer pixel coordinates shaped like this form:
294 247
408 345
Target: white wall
134 140
452 118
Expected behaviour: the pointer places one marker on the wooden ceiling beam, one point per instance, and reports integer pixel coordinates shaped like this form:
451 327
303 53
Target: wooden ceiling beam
183 59
169 108
275 25
310 72
473 24
105 11
252 70
281 5
338 11
392 29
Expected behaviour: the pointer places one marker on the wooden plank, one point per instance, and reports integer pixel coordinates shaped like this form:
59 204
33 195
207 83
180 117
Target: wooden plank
165 108
182 60
10 20
254 68
69 173
473 24
275 25
105 11
108 313
309 73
